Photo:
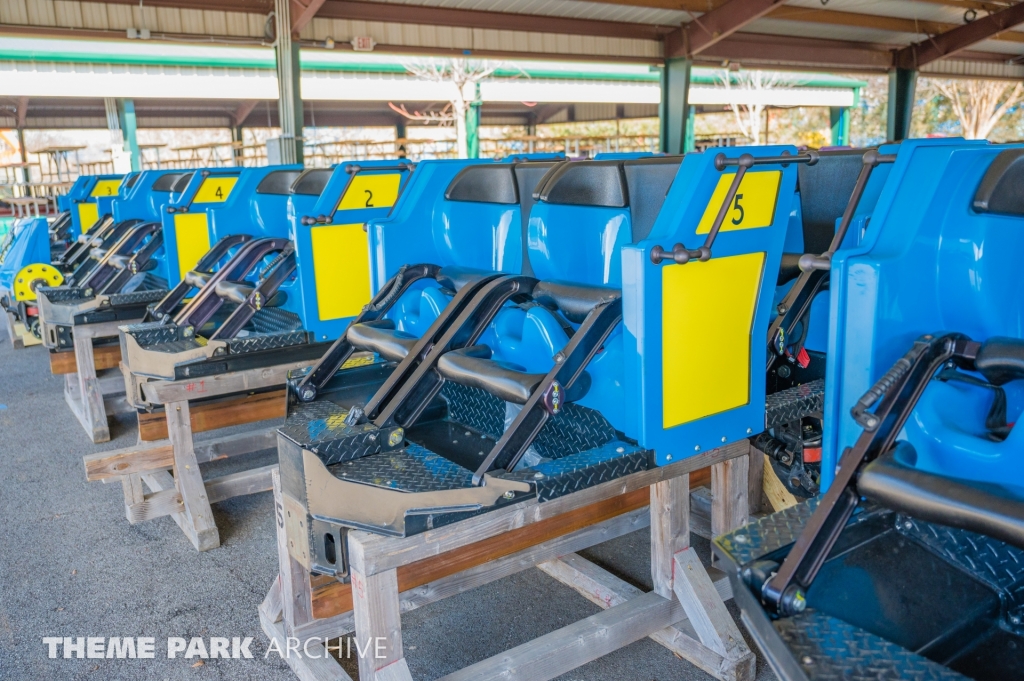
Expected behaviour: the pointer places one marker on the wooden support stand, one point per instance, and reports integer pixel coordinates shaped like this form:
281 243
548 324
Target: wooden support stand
685 612
191 406
19 336
93 387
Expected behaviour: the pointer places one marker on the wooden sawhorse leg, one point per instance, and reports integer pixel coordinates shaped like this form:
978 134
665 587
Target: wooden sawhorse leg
82 392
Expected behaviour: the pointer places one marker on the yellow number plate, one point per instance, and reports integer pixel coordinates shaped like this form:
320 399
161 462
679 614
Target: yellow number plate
341 267
371 191
215 190
752 207
88 215
707 312
105 188
193 236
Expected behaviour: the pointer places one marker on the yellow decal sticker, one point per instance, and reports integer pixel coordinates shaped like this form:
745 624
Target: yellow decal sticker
707 316
215 190
341 267
752 207
371 191
193 238
88 216
105 188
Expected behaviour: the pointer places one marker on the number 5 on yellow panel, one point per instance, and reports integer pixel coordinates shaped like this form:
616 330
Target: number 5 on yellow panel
752 207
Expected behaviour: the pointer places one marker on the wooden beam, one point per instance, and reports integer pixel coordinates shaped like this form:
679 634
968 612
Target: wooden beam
501 21
104 357
303 12
223 413
960 38
721 22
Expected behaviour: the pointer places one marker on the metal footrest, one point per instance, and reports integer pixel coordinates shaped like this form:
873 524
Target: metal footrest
795 403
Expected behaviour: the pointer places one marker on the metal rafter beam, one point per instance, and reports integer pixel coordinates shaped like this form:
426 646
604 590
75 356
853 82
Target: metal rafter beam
443 16
721 22
303 12
787 52
960 38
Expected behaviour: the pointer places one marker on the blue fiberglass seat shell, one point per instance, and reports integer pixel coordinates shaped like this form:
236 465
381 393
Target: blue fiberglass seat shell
916 549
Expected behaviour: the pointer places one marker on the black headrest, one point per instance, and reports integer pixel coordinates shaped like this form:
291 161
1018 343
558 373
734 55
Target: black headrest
825 189
484 184
169 182
132 179
455 277
1002 188
529 176
1001 360
181 183
312 182
278 182
648 180
586 183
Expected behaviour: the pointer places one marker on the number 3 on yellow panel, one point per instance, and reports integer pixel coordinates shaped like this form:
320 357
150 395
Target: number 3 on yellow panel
752 207
371 191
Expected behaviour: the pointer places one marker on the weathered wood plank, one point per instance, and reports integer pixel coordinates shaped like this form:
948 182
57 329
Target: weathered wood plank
378 621
606 590
755 481
337 597
670 528
577 644
166 392
160 455
202 529
91 412
16 340
293 578
442 540
104 357
729 494
316 667
169 502
775 492
223 413
432 580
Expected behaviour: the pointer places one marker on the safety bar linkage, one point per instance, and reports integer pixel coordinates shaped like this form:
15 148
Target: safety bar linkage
98 278
814 269
161 312
682 255
341 350
353 170
896 393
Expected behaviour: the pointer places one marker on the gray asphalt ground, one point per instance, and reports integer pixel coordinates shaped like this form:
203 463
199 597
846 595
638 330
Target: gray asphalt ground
71 565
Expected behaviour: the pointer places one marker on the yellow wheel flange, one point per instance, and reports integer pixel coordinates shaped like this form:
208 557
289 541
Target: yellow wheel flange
32 276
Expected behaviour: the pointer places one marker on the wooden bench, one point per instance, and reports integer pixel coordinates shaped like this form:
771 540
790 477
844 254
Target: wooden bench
388 576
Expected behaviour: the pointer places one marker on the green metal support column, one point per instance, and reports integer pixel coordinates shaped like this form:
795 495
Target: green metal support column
126 119
675 113
839 120
473 125
287 148
902 83
690 139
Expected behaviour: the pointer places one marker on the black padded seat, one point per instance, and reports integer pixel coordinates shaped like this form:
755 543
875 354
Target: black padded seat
381 337
573 300
790 268
991 510
825 189
473 367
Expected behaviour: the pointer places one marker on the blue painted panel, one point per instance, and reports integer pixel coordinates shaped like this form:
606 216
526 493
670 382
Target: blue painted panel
579 243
